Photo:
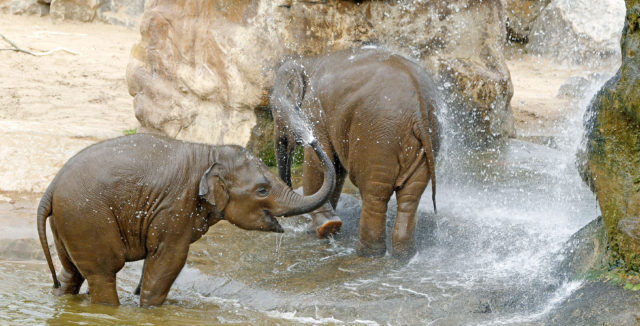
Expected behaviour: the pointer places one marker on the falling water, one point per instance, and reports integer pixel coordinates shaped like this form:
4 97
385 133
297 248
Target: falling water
493 255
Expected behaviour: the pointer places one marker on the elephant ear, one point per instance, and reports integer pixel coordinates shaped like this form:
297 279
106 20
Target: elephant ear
297 87
213 188
291 84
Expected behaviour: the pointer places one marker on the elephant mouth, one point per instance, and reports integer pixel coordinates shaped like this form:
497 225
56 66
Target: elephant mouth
272 223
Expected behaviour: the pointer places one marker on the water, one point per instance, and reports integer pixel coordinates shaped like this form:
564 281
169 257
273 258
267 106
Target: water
491 256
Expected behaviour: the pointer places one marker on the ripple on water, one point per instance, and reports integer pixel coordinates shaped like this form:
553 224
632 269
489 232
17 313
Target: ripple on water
490 256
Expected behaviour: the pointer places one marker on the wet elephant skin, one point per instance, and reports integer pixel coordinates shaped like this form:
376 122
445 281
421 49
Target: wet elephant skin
149 197
374 113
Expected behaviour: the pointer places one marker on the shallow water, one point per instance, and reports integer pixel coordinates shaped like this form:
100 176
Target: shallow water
491 256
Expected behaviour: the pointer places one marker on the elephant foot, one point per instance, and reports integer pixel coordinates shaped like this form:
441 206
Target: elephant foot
403 254
377 250
70 283
329 227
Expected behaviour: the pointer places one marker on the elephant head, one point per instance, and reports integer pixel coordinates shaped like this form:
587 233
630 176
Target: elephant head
289 90
247 194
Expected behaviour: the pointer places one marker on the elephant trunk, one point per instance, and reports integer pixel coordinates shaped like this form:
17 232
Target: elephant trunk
291 203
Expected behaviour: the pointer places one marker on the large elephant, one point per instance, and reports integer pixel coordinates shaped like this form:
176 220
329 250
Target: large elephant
149 197
373 112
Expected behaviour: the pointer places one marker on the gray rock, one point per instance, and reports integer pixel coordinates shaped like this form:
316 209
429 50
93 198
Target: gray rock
24 7
520 16
597 303
573 87
579 32
115 12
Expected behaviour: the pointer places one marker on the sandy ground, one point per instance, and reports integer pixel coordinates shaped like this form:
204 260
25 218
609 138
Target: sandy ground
53 106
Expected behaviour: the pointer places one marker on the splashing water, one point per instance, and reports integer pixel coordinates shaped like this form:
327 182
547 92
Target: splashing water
492 255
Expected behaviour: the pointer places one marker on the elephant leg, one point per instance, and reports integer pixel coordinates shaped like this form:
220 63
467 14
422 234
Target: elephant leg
375 198
284 152
102 289
403 235
101 276
99 260
341 176
325 220
70 278
160 271
137 290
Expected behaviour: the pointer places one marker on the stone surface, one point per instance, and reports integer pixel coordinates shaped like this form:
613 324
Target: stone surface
611 163
597 303
584 252
24 7
116 12
121 12
520 16
579 32
202 67
82 10
578 87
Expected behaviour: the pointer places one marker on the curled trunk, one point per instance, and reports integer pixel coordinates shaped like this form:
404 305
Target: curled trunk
290 203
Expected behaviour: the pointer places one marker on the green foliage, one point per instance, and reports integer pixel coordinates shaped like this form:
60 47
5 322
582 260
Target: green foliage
627 280
129 132
261 142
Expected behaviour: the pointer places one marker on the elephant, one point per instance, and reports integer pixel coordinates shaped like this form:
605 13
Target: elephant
374 112
149 197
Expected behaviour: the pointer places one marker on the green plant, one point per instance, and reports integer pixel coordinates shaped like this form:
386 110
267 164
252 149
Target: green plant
129 132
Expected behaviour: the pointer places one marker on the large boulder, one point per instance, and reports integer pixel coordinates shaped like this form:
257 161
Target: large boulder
579 32
520 16
201 67
611 163
116 12
24 7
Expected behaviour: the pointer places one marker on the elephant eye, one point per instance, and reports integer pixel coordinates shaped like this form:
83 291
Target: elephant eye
262 192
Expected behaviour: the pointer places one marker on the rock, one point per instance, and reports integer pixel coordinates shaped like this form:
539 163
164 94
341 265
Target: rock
579 32
629 227
610 163
24 7
121 12
573 87
520 16
202 67
577 87
116 12
584 251
82 10
596 303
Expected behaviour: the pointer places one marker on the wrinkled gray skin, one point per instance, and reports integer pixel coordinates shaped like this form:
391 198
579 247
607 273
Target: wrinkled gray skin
374 114
149 197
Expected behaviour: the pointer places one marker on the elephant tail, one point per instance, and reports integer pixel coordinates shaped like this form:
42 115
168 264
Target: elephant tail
44 211
425 89
425 136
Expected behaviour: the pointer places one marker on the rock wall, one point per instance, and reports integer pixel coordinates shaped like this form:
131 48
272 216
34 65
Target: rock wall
24 7
579 32
611 164
203 67
521 14
116 12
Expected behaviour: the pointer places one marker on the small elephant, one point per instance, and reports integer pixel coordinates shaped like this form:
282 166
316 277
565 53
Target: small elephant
373 112
149 197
